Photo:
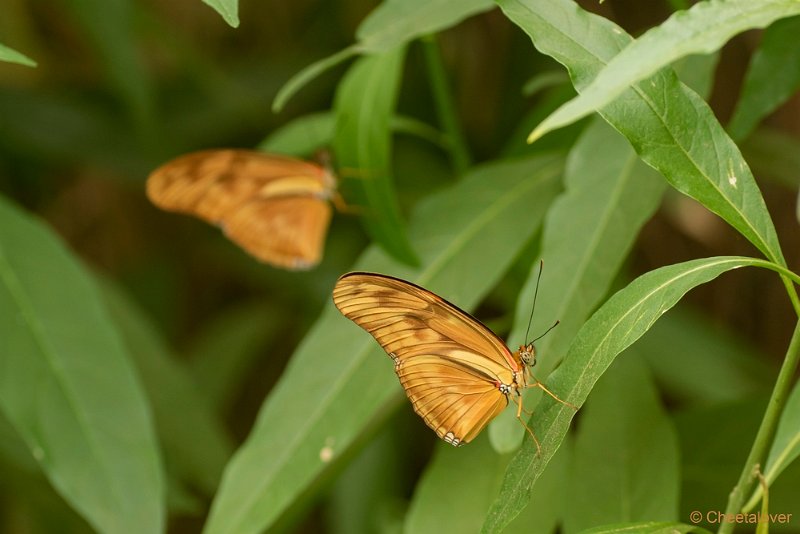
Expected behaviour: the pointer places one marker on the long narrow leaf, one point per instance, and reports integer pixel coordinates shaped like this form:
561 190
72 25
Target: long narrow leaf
775 155
362 144
622 320
304 135
699 362
397 22
392 24
339 379
671 128
196 446
12 56
701 30
773 77
68 387
458 486
587 235
785 447
229 9
625 443
646 527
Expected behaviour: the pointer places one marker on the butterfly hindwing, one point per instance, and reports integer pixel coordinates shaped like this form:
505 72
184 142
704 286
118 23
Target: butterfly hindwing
453 400
449 363
288 232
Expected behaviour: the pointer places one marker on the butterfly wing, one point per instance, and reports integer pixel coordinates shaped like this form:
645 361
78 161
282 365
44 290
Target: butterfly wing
287 232
449 364
274 207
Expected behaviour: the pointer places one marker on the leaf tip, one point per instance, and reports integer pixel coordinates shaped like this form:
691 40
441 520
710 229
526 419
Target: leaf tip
536 134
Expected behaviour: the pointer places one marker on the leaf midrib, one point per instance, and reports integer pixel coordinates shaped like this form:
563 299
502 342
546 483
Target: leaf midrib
636 88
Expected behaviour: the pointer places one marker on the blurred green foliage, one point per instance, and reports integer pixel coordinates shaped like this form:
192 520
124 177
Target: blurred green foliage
155 378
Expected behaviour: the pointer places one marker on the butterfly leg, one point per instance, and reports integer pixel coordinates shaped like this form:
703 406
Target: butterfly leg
540 385
343 207
518 400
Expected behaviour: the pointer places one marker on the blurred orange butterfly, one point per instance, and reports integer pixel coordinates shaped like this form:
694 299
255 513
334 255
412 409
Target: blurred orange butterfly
457 373
275 207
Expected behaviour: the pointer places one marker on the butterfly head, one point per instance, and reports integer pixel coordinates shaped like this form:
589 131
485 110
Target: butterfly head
527 354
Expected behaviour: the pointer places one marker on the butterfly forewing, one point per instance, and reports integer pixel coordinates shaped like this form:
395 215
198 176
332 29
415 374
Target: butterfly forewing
449 364
274 207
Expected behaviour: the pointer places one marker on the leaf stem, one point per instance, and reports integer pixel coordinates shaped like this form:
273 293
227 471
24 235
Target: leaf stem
442 96
766 431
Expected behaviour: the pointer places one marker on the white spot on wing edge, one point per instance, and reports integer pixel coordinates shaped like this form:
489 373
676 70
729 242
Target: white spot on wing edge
452 439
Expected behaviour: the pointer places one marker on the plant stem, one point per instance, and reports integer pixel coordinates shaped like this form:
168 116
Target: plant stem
766 431
787 282
459 154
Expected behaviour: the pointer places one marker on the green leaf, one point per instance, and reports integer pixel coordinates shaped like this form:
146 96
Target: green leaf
646 527
196 446
772 77
303 136
68 387
27 494
229 9
458 486
12 56
302 78
382 467
700 30
558 140
397 22
697 361
697 72
394 23
671 128
544 80
614 327
774 155
712 452
339 379
588 232
625 444
785 447
364 105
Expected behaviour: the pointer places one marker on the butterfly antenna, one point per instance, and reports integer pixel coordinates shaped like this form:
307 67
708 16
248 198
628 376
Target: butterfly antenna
546 331
535 294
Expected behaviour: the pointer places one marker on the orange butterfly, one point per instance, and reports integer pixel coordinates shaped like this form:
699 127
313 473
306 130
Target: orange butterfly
457 373
275 207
